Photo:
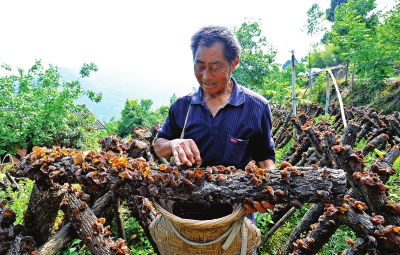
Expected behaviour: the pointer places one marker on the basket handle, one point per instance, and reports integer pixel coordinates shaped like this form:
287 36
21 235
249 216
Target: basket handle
233 230
231 233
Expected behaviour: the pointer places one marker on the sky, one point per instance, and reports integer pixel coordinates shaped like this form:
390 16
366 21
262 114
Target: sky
146 40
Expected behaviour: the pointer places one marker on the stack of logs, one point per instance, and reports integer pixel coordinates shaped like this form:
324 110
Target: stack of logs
366 208
321 168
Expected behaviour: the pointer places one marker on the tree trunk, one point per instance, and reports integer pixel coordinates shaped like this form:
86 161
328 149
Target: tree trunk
67 233
42 211
88 227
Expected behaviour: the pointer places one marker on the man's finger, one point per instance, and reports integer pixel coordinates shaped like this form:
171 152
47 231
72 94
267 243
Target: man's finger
176 158
259 207
267 205
183 158
249 209
188 152
196 152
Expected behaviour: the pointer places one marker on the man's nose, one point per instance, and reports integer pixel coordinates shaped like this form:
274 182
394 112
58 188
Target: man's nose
207 74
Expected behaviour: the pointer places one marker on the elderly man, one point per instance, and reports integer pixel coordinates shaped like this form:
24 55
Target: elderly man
222 123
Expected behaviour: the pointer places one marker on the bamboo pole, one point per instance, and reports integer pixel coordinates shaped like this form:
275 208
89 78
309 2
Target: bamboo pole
294 92
328 90
293 86
340 98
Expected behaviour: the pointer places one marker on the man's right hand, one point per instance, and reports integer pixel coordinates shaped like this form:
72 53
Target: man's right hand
184 151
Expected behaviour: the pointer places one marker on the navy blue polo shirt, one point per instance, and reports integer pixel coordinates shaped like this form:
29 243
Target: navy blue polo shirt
238 133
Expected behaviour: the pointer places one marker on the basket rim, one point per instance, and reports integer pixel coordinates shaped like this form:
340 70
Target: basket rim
238 211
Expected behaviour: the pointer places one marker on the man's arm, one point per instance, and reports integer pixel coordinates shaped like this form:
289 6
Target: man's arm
184 151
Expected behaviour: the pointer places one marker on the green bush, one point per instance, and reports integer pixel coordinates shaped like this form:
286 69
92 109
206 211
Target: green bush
37 109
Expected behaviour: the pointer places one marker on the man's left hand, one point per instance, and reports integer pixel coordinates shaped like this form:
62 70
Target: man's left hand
255 206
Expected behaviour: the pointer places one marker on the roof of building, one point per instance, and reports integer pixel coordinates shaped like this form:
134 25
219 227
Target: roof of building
98 125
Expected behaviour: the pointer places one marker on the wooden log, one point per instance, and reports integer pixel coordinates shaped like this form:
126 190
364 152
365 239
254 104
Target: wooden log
365 129
148 155
138 148
305 156
368 184
373 233
89 228
350 134
67 233
374 144
377 119
356 249
351 213
394 126
143 134
116 204
308 219
42 211
284 141
316 139
302 147
322 142
144 212
304 184
115 144
284 128
318 236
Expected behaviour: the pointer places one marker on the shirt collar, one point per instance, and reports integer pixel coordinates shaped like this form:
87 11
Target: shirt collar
236 99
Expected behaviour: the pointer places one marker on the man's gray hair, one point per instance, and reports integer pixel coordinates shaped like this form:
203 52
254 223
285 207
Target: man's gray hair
209 35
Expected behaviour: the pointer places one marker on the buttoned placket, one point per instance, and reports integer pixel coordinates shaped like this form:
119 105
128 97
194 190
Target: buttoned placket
213 121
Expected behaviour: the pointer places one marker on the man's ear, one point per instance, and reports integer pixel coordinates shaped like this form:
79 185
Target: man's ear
235 63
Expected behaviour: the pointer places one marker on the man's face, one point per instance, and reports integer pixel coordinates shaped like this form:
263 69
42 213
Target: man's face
212 68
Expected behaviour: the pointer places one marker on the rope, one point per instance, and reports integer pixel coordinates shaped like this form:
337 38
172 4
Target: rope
233 230
184 125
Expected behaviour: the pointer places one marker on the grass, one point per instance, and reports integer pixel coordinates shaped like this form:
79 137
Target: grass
17 200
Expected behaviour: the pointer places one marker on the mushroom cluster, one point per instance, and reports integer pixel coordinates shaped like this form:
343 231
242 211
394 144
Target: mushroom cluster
10 235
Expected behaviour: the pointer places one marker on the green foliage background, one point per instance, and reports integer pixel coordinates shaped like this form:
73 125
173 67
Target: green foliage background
36 108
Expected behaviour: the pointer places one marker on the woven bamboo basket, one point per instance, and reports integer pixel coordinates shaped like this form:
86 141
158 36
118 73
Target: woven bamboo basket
169 241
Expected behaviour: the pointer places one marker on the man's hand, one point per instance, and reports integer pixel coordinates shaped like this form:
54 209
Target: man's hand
255 206
184 151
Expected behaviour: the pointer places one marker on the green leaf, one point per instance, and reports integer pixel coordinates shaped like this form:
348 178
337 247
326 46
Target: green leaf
8 166
380 153
396 164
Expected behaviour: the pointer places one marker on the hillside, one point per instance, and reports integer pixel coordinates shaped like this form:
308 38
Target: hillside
386 99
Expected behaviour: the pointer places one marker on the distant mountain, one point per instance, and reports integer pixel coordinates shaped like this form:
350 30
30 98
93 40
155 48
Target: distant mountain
289 62
116 89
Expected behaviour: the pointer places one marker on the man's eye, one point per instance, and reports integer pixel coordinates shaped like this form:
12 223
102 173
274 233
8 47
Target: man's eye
216 67
200 67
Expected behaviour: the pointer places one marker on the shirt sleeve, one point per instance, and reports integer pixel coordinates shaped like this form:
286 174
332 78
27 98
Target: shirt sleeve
170 129
265 149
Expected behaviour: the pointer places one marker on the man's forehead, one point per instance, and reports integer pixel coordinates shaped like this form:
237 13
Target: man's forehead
214 53
219 45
